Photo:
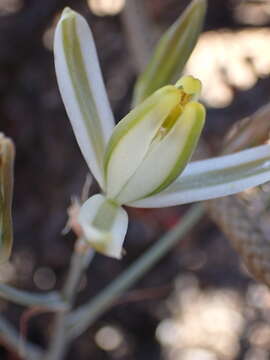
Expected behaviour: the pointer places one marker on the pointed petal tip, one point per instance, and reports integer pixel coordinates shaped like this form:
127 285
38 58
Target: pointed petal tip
67 12
200 5
201 2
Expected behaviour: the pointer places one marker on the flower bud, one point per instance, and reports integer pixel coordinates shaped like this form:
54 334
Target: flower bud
104 225
151 146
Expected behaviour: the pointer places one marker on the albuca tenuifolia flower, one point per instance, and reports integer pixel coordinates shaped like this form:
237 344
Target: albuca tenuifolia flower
142 161
151 146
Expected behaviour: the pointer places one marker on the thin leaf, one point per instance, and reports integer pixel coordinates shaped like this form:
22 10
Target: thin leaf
172 51
82 89
213 178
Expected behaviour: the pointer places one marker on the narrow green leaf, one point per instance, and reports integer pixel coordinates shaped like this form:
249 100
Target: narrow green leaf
213 178
172 51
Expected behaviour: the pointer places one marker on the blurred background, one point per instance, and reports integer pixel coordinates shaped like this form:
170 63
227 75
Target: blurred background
199 303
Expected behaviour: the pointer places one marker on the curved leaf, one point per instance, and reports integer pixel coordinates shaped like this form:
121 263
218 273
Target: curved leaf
213 178
172 51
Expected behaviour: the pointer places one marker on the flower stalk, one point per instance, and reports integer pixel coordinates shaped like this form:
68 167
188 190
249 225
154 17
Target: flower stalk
79 263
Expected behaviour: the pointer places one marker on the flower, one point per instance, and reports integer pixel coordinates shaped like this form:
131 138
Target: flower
143 160
151 146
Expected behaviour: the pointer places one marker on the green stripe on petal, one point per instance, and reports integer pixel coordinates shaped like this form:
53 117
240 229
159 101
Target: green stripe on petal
82 89
213 178
172 51
104 225
133 135
168 157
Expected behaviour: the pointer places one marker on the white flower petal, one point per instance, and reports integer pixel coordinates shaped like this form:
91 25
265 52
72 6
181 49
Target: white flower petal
104 225
216 177
167 158
82 88
133 135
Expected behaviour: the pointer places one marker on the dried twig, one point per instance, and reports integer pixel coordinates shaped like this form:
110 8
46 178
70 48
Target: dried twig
231 215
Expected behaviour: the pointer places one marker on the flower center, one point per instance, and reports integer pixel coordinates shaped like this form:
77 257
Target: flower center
190 89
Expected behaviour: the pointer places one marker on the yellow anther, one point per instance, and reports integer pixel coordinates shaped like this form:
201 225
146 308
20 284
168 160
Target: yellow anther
185 98
171 119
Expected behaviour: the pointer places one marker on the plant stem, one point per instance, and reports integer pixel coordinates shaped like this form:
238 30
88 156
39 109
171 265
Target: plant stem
11 337
51 301
86 314
79 262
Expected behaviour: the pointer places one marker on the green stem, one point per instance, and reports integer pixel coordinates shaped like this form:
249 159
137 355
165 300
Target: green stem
85 315
11 337
51 301
79 262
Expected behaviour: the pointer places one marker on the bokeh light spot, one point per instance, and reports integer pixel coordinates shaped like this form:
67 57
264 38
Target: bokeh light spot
253 13
108 338
106 7
210 319
7 272
44 278
224 60
8 7
48 35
